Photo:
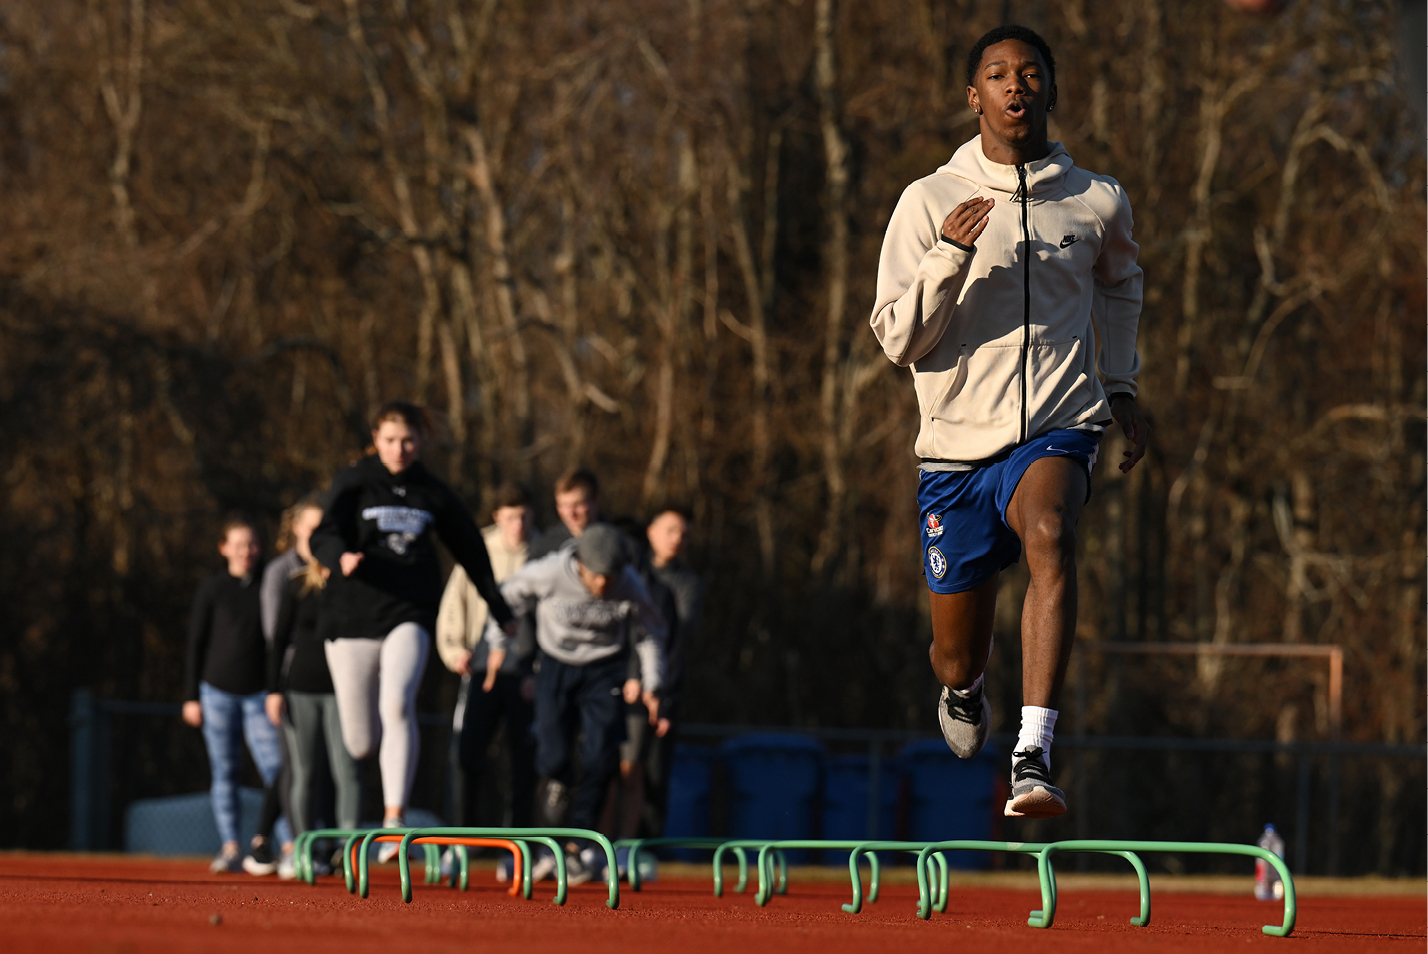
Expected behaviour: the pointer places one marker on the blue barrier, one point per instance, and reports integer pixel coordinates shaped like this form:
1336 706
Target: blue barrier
774 783
846 803
691 775
951 798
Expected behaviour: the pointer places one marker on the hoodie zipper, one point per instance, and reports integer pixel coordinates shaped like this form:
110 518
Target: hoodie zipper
1026 296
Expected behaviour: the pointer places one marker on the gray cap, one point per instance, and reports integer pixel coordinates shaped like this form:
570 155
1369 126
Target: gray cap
601 549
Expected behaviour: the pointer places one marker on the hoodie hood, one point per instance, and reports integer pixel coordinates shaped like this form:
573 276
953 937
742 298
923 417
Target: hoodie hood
972 164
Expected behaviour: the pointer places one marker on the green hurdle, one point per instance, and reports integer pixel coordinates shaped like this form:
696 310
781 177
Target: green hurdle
765 863
636 845
304 843
738 846
430 854
1047 874
875 846
303 846
926 904
546 836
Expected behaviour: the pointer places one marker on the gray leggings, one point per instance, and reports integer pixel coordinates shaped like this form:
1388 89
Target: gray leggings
376 682
315 726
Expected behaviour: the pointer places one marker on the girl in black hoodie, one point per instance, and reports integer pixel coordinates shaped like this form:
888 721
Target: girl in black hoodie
377 537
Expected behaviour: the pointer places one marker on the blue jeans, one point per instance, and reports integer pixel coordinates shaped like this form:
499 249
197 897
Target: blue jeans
584 700
227 720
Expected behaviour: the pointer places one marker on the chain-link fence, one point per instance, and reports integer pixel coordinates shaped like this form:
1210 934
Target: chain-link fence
1344 809
139 779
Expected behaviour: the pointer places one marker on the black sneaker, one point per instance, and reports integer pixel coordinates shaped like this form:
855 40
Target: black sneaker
1032 794
966 722
260 860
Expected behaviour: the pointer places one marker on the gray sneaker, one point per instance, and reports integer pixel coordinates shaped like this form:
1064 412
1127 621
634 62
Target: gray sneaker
544 865
577 869
1032 794
226 863
966 722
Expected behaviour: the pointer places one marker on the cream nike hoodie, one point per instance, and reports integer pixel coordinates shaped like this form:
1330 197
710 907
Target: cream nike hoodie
1000 336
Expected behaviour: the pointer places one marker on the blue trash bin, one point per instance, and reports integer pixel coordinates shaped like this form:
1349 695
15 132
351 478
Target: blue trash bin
774 783
845 802
691 773
951 798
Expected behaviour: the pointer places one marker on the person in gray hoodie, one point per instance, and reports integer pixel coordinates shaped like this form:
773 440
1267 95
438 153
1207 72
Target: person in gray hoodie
1008 283
591 609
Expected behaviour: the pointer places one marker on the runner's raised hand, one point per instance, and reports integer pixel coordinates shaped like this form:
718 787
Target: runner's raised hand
966 222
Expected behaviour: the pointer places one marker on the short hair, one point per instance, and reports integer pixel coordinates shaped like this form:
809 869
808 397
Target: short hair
235 520
579 477
413 415
510 495
1008 32
675 508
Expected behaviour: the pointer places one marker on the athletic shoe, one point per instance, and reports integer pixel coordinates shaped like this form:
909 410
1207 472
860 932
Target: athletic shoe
287 868
966 721
576 870
1032 794
504 867
226 862
387 850
259 860
594 861
544 865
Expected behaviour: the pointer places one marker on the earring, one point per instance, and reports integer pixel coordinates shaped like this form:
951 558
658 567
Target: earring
1051 107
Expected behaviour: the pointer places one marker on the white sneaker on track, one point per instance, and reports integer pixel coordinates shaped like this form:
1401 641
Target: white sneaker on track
1032 794
387 850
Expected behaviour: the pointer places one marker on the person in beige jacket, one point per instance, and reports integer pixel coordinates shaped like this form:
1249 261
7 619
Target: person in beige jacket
480 710
1008 284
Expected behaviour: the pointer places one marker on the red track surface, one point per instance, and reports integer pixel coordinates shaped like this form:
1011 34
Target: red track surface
56 903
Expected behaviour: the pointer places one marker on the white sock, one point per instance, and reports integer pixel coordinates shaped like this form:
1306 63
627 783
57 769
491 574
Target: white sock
1037 725
967 693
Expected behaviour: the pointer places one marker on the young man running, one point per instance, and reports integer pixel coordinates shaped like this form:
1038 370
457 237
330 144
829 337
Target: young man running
591 609
996 272
577 503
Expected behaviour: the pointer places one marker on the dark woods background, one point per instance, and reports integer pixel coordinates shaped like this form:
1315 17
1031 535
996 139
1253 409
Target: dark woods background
643 235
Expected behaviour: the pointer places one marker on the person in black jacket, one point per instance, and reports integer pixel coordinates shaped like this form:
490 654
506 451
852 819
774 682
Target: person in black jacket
223 682
377 537
304 687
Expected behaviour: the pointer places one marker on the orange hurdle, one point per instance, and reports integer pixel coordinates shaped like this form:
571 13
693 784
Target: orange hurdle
468 842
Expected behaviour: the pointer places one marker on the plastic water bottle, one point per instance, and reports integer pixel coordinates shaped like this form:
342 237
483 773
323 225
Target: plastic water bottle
1267 885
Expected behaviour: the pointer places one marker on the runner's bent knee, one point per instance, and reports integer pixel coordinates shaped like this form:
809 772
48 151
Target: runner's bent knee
1050 535
953 670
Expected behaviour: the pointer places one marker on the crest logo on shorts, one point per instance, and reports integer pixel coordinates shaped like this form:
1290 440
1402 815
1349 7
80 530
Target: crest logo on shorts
936 562
934 525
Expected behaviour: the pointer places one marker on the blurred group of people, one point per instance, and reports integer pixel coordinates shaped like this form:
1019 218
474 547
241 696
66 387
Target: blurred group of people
571 641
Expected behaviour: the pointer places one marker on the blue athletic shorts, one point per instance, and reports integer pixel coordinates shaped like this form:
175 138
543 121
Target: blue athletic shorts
965 536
